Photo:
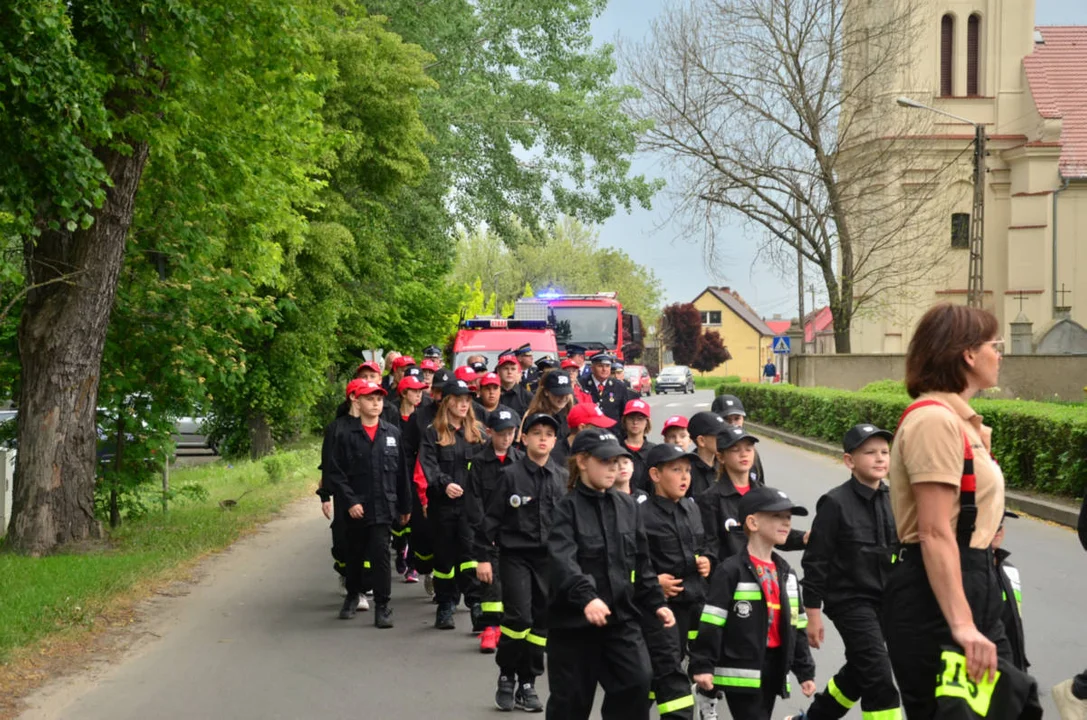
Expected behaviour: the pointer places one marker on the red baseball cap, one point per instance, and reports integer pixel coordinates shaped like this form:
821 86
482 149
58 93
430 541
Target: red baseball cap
568 363
363 387
490 379
410 382
368 365
429 364
587 414
403 361
674 421
507 358
466 374
639 407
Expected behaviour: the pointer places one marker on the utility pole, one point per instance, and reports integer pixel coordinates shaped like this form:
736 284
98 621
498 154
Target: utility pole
799 276
975 290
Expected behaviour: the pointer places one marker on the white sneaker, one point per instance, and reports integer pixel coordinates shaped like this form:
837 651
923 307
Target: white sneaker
706 706
363 605
1068 705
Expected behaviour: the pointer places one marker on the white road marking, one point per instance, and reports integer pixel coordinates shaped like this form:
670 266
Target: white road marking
673 404
701 404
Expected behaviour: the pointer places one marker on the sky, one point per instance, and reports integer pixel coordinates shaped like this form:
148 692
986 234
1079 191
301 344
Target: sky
655 239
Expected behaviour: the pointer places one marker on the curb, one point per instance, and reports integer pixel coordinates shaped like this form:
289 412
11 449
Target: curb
1052 510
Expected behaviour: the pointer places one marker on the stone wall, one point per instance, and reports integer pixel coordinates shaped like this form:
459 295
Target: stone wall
1030 377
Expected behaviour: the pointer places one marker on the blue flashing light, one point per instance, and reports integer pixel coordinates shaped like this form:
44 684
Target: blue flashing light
550 293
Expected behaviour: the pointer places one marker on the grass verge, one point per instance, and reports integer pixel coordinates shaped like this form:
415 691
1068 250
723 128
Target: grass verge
69 593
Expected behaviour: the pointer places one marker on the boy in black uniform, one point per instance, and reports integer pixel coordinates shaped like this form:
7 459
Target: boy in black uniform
607 392
514 396
845 568
1010 585
483 478
682 560
368 473
518 521
704 427
752 626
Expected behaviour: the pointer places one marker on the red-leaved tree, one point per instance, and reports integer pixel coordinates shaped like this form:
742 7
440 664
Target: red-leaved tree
681 330
711 352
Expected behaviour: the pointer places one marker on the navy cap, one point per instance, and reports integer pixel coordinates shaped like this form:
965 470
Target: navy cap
525 349
502 419
731 436
432 351
706 423
547 362
599 443
558 383
601 357
665 453
540 418
767 499
572 349
859 434
616 366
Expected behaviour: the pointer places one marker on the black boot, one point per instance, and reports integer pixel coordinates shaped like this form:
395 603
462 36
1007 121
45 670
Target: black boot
383 617
350 606
476 612
444 619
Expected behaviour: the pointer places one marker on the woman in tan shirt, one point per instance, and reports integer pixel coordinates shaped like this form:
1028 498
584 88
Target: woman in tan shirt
943 590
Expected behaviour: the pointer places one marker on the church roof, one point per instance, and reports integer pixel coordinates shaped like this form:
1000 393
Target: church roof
1057 73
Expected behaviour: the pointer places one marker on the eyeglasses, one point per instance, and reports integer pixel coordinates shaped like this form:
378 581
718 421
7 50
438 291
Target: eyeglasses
998 345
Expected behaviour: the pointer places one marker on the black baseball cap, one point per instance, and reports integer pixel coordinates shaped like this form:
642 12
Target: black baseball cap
456 387
441 377
665 453
767 499
503 419
599 443
479 367
547 362
859 434
572 349
413 372
732 405
540 418
732 435
706 423
432 351
558 384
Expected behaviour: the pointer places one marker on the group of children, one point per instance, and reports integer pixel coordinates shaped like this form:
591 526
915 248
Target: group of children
635 566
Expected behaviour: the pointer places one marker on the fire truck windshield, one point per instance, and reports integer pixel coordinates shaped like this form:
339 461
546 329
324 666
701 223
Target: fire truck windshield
593 327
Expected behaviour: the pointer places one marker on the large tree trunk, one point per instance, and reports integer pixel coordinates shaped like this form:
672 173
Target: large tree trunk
260 435
61 335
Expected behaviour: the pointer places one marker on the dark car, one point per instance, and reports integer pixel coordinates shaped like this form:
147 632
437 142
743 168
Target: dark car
676 377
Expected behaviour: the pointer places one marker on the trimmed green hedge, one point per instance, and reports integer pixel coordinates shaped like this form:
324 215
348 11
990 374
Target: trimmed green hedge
1040 446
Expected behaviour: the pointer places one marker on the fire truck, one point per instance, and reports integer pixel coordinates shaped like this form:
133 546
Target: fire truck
489 336
595 322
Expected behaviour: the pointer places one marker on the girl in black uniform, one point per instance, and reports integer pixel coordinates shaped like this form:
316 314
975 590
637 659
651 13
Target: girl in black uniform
554 397
636 426
409 393
448 446
601 581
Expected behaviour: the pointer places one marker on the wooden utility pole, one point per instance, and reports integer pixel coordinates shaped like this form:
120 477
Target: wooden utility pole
975 289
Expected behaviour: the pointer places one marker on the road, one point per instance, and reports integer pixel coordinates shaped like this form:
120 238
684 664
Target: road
257 636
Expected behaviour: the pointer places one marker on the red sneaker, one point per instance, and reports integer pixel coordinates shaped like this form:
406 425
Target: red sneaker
488 640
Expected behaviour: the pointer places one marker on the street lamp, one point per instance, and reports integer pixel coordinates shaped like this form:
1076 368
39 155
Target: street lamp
975 285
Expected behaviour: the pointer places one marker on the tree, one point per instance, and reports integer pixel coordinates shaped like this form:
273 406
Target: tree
780 112
681 330
90 91
711 352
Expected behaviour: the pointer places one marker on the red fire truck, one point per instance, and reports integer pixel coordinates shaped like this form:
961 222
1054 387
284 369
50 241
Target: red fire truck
489 336
596 322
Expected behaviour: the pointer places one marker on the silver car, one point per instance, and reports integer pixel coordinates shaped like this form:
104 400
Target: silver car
676 377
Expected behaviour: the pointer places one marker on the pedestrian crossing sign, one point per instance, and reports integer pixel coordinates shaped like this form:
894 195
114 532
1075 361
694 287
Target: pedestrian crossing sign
782 345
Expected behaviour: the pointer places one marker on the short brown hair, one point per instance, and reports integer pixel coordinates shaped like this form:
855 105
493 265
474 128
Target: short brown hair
934 361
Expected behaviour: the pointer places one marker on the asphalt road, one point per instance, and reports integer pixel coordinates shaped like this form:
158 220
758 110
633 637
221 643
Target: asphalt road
257 636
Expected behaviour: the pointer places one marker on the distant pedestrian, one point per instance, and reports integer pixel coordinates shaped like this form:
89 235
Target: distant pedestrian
769 371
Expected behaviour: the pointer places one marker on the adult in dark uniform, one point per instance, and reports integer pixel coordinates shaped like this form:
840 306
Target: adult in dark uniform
543 366
577 354
434 353
514 395
530 376
607 392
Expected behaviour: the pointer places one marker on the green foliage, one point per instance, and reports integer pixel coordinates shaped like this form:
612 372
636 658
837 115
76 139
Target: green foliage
1040 446
885 387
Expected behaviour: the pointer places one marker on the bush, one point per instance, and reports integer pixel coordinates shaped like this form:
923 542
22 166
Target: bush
285 464
885 387
1040 446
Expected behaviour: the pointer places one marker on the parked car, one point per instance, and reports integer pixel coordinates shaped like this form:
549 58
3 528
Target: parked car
190 433
638 377
676 377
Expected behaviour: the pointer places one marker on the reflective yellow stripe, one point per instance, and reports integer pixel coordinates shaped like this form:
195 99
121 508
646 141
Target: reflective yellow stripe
491 607
953 682
400 533
652 695
678 704
692 634
838 695
736 682
895 714
340 564
632 576
470 565
802 622
536 639
736 677
366 564
421 556
513 634
443 576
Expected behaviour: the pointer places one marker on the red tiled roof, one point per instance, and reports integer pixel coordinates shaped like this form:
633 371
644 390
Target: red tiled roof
1057 73
779 326
817 322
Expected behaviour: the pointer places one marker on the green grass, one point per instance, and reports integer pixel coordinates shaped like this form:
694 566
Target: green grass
42 596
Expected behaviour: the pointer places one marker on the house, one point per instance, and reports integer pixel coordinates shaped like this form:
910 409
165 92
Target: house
986 61
819 332
744 333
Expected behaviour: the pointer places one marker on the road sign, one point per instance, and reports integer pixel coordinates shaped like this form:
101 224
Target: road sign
782 345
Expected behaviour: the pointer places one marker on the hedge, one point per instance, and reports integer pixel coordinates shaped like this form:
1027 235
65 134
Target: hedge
1040 446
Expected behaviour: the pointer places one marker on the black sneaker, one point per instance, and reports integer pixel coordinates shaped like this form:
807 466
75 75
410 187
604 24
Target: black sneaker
383 617
350 606
503 697
444 618
476 612
527 699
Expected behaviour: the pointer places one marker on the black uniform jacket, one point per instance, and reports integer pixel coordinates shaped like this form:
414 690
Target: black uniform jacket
703 477
720 505
640 478
424 415
445 464
516 399
614 398
731 642
852 539
382 485
530 379
1008 575
519 512
482 481
598 549
676 540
